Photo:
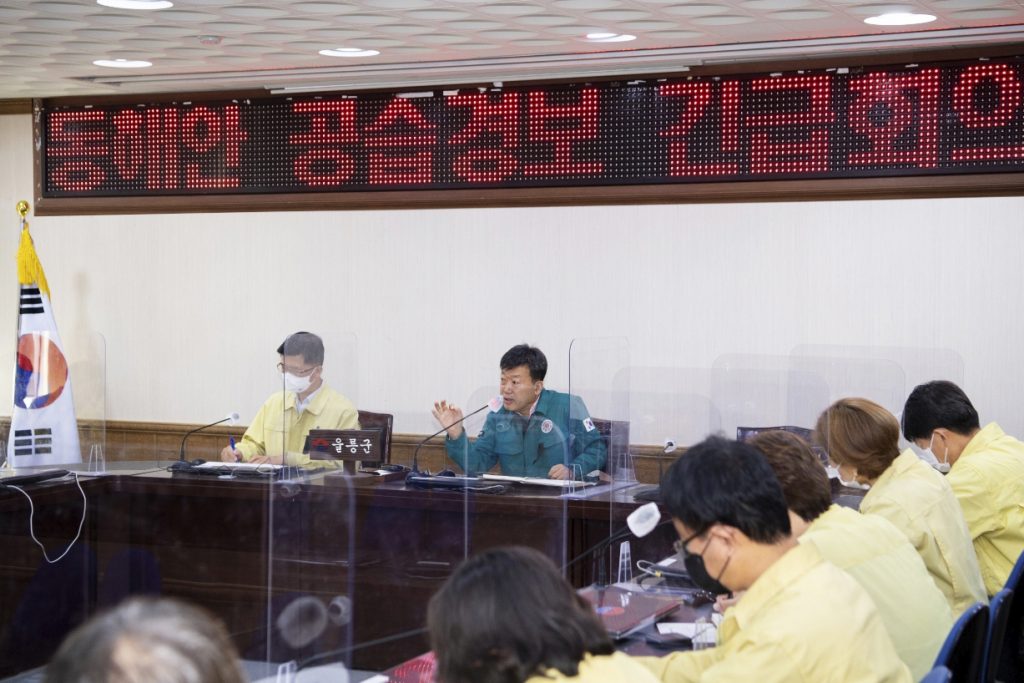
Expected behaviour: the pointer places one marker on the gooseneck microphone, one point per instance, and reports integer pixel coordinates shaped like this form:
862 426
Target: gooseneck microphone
640 522
494 404
232 418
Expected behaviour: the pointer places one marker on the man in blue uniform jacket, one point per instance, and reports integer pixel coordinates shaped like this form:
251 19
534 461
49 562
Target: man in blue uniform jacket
536 432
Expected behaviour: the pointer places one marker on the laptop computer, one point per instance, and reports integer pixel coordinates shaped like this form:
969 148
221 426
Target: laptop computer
624 612
27 475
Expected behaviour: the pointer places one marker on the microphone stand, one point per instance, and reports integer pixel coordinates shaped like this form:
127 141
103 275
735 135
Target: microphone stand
416 453
599 548
181 451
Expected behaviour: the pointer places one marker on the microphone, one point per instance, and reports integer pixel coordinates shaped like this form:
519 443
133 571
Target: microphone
232 418
640 522
494 404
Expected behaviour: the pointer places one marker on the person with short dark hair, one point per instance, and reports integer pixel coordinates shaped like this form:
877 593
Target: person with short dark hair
800 618
536 432
507 615
148 640
986 472
867 547
278 432
862 442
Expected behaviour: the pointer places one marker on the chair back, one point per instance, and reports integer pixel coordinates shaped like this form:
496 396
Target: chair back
999 613
939 674
1009 667
383 422
615 434
746 433
963 653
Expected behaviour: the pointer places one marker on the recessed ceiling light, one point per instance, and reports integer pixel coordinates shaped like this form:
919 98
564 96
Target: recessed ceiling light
610 37
136 4
123 63
899 19
349 52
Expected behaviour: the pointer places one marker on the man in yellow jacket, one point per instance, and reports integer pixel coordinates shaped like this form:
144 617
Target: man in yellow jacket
801 618
278 432
867 547
986 472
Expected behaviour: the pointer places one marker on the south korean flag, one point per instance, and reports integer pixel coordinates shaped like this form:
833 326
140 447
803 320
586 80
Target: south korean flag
43 426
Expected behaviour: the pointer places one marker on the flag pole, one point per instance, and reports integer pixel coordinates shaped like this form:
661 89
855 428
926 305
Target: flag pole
22 207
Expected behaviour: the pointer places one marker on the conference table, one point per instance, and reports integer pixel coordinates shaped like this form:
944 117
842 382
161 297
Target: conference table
310 568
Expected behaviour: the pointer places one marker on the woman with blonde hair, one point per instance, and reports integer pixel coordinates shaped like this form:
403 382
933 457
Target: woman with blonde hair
862 442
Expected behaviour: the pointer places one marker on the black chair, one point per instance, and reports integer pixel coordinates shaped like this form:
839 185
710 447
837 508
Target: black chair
746 433
615 434
963 653
838 495
384 423
939 674
999 611
1009 668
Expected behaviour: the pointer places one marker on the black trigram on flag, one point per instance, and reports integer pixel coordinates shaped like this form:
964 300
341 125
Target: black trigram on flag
33 441
31 301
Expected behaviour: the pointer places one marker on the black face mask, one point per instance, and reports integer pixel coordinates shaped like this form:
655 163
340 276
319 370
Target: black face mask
694 564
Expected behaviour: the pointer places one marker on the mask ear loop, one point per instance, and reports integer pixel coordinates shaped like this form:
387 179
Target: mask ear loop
943 466
724 566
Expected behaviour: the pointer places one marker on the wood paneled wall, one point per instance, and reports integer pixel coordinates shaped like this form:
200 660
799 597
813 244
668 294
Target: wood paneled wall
127 441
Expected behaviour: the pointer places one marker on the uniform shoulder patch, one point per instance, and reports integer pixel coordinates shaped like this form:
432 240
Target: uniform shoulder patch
588 424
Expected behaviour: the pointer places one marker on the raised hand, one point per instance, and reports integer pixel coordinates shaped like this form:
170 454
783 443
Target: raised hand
447 415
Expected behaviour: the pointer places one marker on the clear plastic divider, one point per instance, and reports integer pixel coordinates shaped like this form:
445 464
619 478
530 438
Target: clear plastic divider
314 614
600 456
755 393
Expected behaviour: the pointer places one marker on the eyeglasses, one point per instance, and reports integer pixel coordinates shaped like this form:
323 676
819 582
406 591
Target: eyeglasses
680 546
298 373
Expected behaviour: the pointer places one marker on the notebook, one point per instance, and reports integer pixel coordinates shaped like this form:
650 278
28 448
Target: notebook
624 611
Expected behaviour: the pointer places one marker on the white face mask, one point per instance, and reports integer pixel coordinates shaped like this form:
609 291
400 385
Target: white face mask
833 473
296 383
929 457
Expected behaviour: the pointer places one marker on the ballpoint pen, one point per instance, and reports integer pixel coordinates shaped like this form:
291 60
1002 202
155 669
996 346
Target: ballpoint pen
232 441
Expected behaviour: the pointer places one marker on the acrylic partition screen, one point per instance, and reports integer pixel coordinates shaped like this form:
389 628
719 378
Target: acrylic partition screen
506 449
759 390
599 453
55 571
324 598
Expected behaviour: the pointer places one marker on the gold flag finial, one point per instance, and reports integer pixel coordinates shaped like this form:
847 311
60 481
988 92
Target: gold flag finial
30 271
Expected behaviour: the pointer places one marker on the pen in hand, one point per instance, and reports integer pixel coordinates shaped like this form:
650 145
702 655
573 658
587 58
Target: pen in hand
233 450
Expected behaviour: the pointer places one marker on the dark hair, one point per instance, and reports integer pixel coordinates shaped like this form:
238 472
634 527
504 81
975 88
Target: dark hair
726 482
861 433
508 614
305 344
530 356
148 640
799 471
938 404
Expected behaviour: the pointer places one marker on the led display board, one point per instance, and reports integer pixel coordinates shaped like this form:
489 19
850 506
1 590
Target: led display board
945 118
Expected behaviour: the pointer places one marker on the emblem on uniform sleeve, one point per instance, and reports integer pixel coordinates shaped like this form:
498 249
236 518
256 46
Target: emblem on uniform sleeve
588 424
546 426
